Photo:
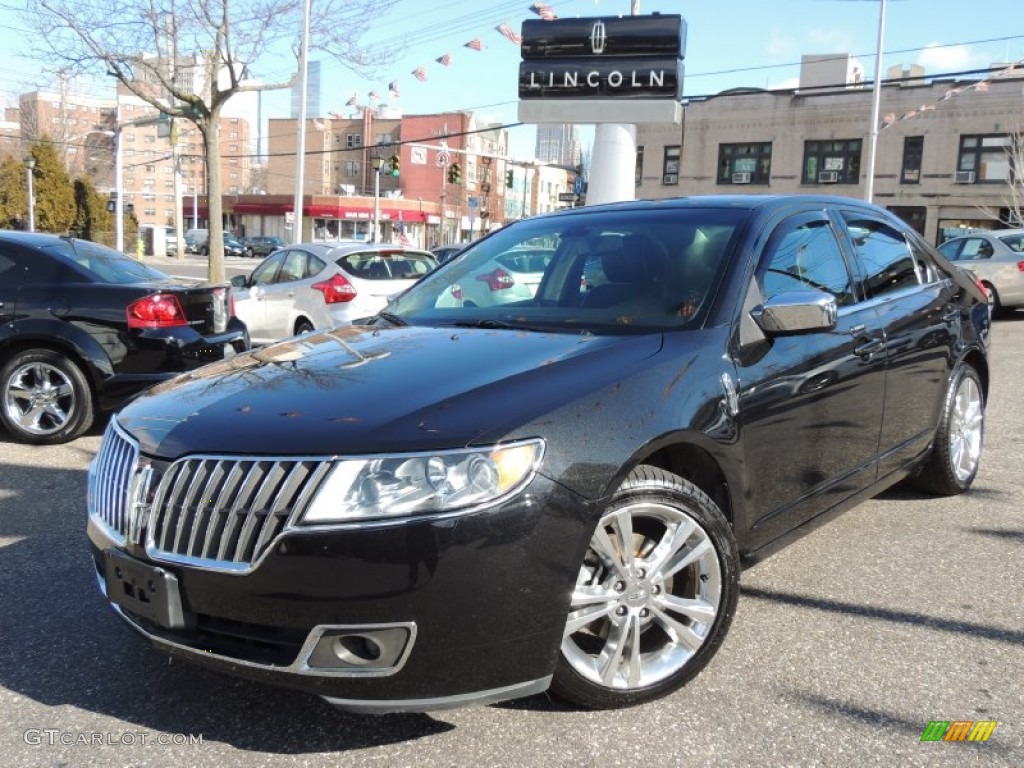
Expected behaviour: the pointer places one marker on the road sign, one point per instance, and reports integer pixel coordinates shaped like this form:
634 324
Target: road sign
289 217
474 202
443 159
567 197
577 185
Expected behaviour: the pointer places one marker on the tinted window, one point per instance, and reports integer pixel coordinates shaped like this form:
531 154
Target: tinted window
105 265
314 266
951 249
975 248
805 256
629 271
387 265
889 263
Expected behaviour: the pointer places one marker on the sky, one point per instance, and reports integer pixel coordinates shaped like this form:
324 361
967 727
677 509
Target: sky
730 43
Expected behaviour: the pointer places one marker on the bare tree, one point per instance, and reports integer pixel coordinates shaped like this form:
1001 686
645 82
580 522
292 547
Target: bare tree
1013 194
186 58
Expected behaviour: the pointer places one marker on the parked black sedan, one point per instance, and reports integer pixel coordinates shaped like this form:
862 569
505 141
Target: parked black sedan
261 246
461 503
82 327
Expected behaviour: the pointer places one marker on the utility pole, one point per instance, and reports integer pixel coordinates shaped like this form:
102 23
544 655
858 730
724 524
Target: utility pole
300 150
179 229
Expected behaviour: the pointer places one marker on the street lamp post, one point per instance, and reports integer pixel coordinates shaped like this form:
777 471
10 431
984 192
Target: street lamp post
376 161
30 164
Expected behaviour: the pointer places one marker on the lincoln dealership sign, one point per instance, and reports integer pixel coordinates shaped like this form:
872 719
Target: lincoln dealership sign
632 57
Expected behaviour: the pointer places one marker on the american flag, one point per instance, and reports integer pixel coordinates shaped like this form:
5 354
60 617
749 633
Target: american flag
374 96
546 12
476 44
506 30
445 60
352 101
951 93
403 237
393 87
982 86
419 73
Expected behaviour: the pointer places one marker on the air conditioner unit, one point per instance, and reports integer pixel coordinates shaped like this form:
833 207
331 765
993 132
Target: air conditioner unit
963 177
741 178
828 177
670 178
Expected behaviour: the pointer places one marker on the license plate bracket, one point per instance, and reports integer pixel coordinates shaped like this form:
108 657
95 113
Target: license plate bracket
147 591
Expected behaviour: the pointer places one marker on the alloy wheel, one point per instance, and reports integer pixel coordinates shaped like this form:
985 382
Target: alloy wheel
40 398
965 434
646 597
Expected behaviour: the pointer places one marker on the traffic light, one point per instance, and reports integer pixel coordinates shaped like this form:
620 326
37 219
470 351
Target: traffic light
454 174
509 179
395 163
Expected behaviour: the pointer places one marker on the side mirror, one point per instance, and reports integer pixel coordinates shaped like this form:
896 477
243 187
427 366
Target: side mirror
240 281
797 312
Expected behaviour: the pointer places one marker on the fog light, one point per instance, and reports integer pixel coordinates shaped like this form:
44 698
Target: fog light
361 650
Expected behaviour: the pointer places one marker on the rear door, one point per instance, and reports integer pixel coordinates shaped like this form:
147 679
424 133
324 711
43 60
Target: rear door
809 404
250 303
279 296
917 306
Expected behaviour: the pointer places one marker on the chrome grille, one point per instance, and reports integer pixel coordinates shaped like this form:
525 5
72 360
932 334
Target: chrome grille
225 511
110 481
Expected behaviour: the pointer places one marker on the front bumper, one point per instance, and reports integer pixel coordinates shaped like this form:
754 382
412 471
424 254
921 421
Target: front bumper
482 597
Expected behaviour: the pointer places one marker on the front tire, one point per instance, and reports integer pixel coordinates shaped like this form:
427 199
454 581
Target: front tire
46 398
655 595
952 464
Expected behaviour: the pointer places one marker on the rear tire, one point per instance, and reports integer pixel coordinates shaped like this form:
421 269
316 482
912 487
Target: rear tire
994 304
952 464
303 326
45 398
654 598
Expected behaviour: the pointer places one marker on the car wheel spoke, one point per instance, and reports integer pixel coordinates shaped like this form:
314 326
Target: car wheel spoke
584 616
696 609
59 415
603 546
586 595
623 527
610 658
19 391
29 418
679 632
684 557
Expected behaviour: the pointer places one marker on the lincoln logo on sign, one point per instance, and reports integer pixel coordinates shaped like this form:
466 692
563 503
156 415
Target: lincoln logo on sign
598 37
611 57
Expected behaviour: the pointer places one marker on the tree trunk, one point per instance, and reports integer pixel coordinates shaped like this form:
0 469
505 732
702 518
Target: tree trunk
214 206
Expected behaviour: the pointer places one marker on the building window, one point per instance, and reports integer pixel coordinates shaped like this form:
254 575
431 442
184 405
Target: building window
745 163
233 135
351 168
670 166
353 140
638 174
984 159
832 162
913 150
383 139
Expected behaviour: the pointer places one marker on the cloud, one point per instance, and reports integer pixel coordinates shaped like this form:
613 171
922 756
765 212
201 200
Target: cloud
936 58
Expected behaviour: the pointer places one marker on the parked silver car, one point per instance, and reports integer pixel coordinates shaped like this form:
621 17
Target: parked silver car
997 259
323 285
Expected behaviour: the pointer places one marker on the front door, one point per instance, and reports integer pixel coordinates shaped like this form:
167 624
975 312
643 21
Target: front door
810 404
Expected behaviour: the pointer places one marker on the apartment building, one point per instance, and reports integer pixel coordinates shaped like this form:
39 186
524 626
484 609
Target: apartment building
942 160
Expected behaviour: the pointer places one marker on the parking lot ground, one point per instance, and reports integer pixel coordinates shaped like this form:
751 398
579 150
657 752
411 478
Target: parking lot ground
845 646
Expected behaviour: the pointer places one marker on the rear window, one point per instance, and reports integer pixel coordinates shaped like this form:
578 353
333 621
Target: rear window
105 265
1014 242
387 265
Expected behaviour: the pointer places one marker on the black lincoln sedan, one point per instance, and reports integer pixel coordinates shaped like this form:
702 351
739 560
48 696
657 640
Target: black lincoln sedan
461 502
83 327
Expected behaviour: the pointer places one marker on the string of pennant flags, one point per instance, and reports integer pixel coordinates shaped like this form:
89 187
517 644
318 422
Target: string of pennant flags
981 86
545 12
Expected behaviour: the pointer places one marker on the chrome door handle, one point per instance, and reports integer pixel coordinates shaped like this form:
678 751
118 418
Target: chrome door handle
869 348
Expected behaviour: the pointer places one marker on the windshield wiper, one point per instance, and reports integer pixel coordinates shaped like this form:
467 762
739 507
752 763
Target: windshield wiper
391 318
498 324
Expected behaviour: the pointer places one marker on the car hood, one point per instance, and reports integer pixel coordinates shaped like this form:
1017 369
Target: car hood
359 390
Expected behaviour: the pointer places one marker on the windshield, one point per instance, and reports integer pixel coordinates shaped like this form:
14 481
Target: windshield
105 264
609 271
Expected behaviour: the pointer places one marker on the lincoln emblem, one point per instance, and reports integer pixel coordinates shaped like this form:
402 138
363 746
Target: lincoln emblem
598 37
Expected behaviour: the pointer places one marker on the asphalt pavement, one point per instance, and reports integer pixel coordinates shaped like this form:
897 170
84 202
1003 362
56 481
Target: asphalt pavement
845 646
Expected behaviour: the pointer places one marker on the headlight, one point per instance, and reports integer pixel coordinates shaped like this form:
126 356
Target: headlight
410 484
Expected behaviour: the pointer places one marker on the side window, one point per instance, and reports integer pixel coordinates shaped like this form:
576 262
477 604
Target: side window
951 249
314 266
977 248
805 256
889 264
294 267
1014 242
266 273
8 269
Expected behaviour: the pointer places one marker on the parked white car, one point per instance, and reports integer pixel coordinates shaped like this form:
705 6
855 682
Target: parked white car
997 259
322 285
511 276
